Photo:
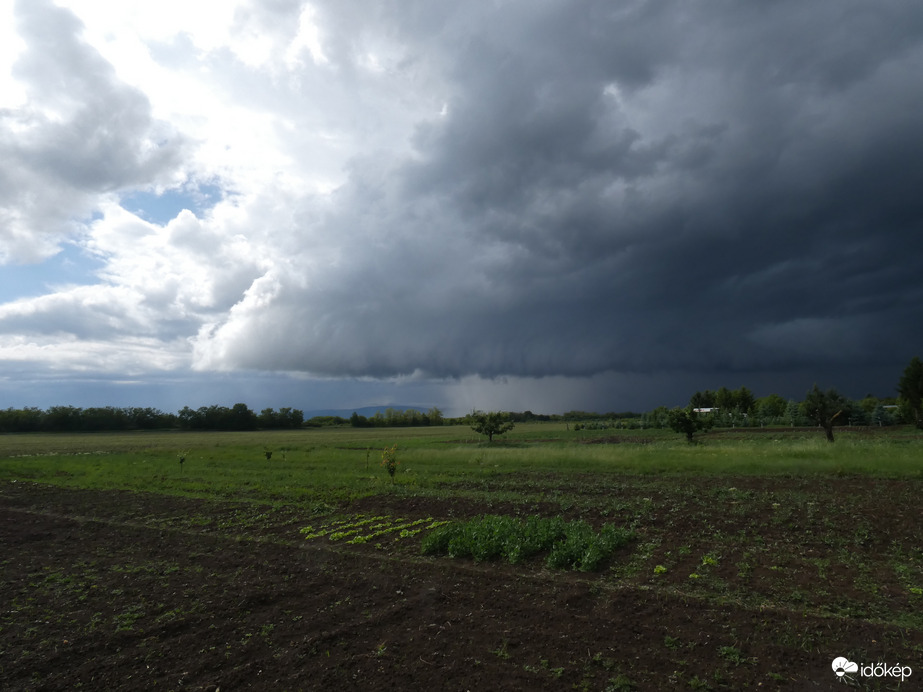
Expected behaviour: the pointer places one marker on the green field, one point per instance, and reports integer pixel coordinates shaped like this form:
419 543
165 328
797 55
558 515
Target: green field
337 464
773 524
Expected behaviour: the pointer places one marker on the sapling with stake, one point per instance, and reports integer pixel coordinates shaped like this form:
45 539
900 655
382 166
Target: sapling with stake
389 460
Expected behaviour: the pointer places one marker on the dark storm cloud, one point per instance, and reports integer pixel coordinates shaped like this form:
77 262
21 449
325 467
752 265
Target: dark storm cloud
633 187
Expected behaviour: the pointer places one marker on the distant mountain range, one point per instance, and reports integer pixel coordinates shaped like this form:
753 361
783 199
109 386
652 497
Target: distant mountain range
367 411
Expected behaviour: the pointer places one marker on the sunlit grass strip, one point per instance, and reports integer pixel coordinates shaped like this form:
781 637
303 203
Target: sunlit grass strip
569 544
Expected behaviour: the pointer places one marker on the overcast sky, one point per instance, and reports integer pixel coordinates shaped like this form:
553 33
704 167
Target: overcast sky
519 204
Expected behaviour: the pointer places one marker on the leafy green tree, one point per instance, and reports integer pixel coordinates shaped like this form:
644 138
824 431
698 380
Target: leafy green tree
213 417
490 424
687 421
285 417
745 401
268 419
358 421
147 418
658 418
704 399
771 406
325 421
855 414
911 391
188 418
63 418
725 399
293 417
29 419
434 416
869 403
240 417
823 408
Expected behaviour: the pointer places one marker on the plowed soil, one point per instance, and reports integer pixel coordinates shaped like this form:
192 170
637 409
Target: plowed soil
110 590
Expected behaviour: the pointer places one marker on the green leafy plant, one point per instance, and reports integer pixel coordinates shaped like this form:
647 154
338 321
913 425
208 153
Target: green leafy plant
671 642
732 654
389 460
570 545
709 561
501 651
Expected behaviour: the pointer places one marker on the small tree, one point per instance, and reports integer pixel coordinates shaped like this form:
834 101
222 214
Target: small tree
793 413
490 424
687 421
823 408
389 460
911 391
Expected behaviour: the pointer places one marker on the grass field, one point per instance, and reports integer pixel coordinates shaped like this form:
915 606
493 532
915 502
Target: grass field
751 559
344 463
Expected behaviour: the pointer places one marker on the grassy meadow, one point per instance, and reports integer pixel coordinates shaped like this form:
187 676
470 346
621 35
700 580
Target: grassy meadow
338 464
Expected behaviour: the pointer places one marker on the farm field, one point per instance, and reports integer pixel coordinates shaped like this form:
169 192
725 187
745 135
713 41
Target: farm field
291 560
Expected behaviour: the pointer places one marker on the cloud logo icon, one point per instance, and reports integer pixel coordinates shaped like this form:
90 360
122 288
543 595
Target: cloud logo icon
841 666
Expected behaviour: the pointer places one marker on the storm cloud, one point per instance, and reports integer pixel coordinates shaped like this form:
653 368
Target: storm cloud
624 190
538 190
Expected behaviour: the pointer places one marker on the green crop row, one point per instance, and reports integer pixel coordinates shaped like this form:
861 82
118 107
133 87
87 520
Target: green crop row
361 529
569 544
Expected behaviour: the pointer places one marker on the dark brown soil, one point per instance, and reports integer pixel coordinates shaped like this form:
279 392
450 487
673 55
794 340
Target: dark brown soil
118 590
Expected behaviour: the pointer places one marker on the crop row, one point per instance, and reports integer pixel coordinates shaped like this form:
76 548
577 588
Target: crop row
569 544
362 529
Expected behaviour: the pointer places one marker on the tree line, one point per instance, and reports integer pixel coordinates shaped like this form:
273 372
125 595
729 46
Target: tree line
722 408
825 409
72 419
414 417
237 417
391 417
113 419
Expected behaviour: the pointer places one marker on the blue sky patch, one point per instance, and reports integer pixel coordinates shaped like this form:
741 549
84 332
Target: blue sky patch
161 209
71 265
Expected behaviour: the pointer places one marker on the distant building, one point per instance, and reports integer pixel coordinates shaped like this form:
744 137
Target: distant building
705 410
